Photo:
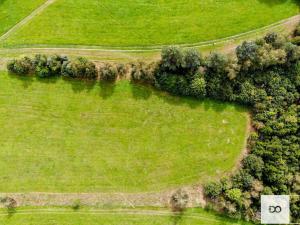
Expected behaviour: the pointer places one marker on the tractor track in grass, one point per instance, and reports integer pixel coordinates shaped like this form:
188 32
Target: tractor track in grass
131 212
27 19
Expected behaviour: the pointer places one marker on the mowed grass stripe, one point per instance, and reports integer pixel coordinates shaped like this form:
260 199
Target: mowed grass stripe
138 23
71 136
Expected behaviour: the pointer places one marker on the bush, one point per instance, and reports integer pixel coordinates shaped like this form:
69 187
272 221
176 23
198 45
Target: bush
108 72
79 68
296 40
191 60
22 66
172 59
142 72
254 165
173 83
242 180
122 69
48 66
297 31
179 200
234 195
213 190
198 87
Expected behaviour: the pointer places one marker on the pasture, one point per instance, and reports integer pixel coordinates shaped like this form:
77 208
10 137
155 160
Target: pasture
73 136
137 23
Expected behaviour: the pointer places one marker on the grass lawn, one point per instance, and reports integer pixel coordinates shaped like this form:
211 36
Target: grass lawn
12 11
87 217
126 23
63 136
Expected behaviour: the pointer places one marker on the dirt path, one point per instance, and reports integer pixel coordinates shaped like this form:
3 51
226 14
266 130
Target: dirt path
27 19
132 200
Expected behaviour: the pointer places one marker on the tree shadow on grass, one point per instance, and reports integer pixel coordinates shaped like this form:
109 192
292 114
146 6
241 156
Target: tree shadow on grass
48 80
141 92
106 89
26 80
80 85
177 218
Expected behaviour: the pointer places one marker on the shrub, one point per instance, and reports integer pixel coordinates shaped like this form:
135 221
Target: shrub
297 31
76 205
242 180
191 60
108 72
122 69
234 195
48 66
213 190
198 87
80 68
172 59
179 200
253 165
173 83
22 66
142 72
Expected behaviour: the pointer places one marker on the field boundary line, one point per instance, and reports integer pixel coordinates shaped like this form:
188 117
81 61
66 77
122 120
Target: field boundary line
152 48
26 19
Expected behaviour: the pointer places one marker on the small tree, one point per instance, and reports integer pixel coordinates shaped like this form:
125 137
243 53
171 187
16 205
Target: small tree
22 66
172 59
79 68
198 87
179 201
108 72
213 190
192 60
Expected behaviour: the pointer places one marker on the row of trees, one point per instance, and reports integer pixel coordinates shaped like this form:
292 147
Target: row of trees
80 68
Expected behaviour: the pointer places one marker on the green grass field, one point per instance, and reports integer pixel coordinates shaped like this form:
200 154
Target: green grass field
63 136
140 23
12 11
34 216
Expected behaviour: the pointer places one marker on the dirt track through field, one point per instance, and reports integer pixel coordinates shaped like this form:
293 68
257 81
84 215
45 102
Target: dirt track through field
26 19
132 200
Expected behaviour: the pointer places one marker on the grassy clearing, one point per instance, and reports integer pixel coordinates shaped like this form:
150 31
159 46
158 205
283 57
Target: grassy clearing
63 136
33 216
126 23
12 11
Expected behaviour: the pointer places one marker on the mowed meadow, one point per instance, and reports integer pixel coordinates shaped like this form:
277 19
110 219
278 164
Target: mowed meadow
131 23
73 136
